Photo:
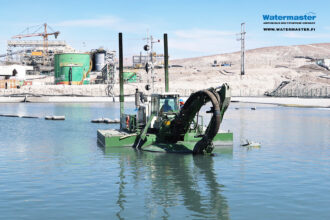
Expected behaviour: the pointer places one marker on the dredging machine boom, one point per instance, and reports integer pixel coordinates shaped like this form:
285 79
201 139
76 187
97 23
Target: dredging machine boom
171 127
181 124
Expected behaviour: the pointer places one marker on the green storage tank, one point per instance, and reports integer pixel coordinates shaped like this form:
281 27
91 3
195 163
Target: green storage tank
72 68
129 76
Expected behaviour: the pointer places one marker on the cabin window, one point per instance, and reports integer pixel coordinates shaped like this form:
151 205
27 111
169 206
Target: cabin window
168 104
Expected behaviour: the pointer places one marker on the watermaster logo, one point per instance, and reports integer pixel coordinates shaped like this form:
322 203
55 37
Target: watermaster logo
290 18
276 22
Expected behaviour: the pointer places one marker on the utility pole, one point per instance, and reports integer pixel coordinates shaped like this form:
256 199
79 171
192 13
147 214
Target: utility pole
152 64
121 77
147 48
150 43
166 62
242 39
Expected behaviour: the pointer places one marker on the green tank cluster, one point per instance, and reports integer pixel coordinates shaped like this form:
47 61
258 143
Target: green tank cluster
72 68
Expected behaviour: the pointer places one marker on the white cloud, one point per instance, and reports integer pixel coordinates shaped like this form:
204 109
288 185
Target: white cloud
306 35
108 22
204 41
97 22
187 42
202 33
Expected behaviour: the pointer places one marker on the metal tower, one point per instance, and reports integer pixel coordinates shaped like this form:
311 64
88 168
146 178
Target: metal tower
242 39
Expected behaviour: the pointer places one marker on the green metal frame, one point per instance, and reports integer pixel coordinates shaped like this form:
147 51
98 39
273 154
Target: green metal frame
150 141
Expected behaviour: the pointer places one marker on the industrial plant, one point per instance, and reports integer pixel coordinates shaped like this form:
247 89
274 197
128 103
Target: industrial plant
29 59
47 66
45 60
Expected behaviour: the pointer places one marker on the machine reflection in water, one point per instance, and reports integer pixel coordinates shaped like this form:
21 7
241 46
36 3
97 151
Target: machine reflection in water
171 182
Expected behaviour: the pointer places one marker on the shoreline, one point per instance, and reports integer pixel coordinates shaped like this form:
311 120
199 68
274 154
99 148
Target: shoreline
288 102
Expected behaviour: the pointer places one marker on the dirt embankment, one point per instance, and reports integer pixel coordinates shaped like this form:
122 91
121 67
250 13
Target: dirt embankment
265 69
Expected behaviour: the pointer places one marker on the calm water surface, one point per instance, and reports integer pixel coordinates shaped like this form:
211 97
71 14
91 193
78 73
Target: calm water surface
56 170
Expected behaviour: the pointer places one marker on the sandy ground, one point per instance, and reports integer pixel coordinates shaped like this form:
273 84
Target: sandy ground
265 69
289 102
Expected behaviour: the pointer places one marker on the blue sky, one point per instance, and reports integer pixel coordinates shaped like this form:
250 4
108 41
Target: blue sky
195 28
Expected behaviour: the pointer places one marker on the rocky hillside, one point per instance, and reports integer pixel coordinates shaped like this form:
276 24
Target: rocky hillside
265 69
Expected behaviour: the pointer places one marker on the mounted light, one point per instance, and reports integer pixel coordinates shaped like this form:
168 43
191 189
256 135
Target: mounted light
146 47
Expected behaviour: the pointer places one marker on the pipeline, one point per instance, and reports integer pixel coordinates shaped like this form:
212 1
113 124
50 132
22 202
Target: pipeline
85 74
220 98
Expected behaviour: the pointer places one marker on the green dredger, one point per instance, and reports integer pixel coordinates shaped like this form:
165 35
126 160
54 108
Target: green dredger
161 125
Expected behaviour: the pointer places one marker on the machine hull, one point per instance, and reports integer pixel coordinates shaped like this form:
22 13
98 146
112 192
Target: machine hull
118 138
